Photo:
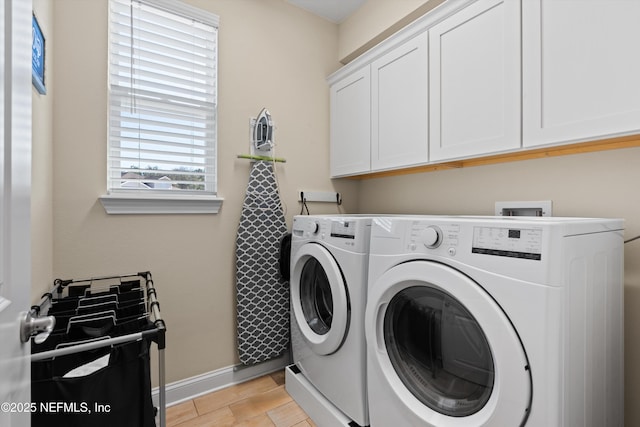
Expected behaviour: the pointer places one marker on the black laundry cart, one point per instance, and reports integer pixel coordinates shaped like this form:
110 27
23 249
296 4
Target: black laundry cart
93 367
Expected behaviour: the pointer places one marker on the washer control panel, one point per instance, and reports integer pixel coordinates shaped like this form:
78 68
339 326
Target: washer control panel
508 242
451 238
444 237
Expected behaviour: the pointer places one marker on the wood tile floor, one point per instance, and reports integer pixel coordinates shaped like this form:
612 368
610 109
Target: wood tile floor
256 403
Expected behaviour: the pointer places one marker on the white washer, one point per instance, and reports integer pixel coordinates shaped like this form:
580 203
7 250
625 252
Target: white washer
329 264
487 321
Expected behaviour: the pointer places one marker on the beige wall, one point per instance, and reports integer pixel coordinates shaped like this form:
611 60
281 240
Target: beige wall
271 55
372 20
600 184
42 165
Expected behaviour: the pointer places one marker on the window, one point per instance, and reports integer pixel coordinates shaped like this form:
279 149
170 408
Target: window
162 101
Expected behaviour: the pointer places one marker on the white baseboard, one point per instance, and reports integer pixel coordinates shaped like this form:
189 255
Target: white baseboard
189 388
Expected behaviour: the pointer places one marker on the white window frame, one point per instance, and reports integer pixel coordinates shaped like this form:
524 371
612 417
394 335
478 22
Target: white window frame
120 200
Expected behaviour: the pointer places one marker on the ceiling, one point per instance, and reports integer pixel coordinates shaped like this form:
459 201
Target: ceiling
335 11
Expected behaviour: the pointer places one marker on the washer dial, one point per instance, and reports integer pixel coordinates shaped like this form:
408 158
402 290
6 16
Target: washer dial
431 237
313 227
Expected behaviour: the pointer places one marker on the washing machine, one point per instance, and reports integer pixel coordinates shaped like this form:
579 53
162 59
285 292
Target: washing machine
329 265
487 321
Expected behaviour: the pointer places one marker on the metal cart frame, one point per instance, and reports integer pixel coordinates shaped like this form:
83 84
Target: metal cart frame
157 334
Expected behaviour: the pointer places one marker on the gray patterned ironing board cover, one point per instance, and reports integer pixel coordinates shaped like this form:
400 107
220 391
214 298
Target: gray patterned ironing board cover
262 294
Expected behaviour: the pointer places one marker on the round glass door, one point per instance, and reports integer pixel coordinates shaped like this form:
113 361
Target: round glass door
444 348
315 297
319 298
439 351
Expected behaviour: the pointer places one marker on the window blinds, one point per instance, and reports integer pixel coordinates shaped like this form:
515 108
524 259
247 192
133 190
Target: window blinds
162 97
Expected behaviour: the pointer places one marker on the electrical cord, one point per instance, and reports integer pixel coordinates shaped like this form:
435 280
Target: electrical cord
275 175
304 206
632 239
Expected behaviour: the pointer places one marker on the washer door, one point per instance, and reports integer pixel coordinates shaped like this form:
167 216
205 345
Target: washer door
446 348
319 298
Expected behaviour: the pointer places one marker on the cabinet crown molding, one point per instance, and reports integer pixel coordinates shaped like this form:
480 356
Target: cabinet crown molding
414 29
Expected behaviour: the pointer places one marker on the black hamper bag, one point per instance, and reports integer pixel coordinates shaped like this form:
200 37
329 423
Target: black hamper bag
117 395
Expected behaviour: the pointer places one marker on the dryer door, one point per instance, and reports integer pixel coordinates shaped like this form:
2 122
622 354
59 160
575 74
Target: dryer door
319 298
446 348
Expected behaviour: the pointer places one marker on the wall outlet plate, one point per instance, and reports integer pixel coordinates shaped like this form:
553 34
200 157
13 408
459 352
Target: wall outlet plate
537 208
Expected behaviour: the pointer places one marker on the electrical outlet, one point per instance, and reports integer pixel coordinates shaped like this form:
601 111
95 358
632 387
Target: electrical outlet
538 208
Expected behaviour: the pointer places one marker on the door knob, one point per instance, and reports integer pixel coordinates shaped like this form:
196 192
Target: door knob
30 325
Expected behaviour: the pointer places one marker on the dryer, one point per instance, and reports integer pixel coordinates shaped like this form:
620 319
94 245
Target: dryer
329 265
492 321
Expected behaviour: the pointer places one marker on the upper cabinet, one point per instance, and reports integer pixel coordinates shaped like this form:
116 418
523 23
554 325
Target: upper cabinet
581 70
474 78
474 81
399 102
350 122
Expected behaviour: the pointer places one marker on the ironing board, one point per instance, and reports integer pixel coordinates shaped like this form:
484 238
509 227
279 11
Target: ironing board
262 293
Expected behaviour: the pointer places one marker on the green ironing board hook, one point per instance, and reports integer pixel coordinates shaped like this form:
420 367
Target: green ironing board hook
263 158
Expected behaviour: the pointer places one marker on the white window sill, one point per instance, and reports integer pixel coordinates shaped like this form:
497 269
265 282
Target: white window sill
135 204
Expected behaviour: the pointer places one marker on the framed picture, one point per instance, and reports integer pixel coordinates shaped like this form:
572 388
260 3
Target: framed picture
37 57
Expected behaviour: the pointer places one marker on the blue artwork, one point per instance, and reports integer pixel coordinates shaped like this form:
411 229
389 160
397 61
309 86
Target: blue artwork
37 57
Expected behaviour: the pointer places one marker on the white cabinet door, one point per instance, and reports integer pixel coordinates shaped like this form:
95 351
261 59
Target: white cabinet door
399 100
581 70
350 148
474 81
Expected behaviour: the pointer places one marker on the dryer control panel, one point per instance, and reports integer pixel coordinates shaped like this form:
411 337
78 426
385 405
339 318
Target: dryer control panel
343 228
346 232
